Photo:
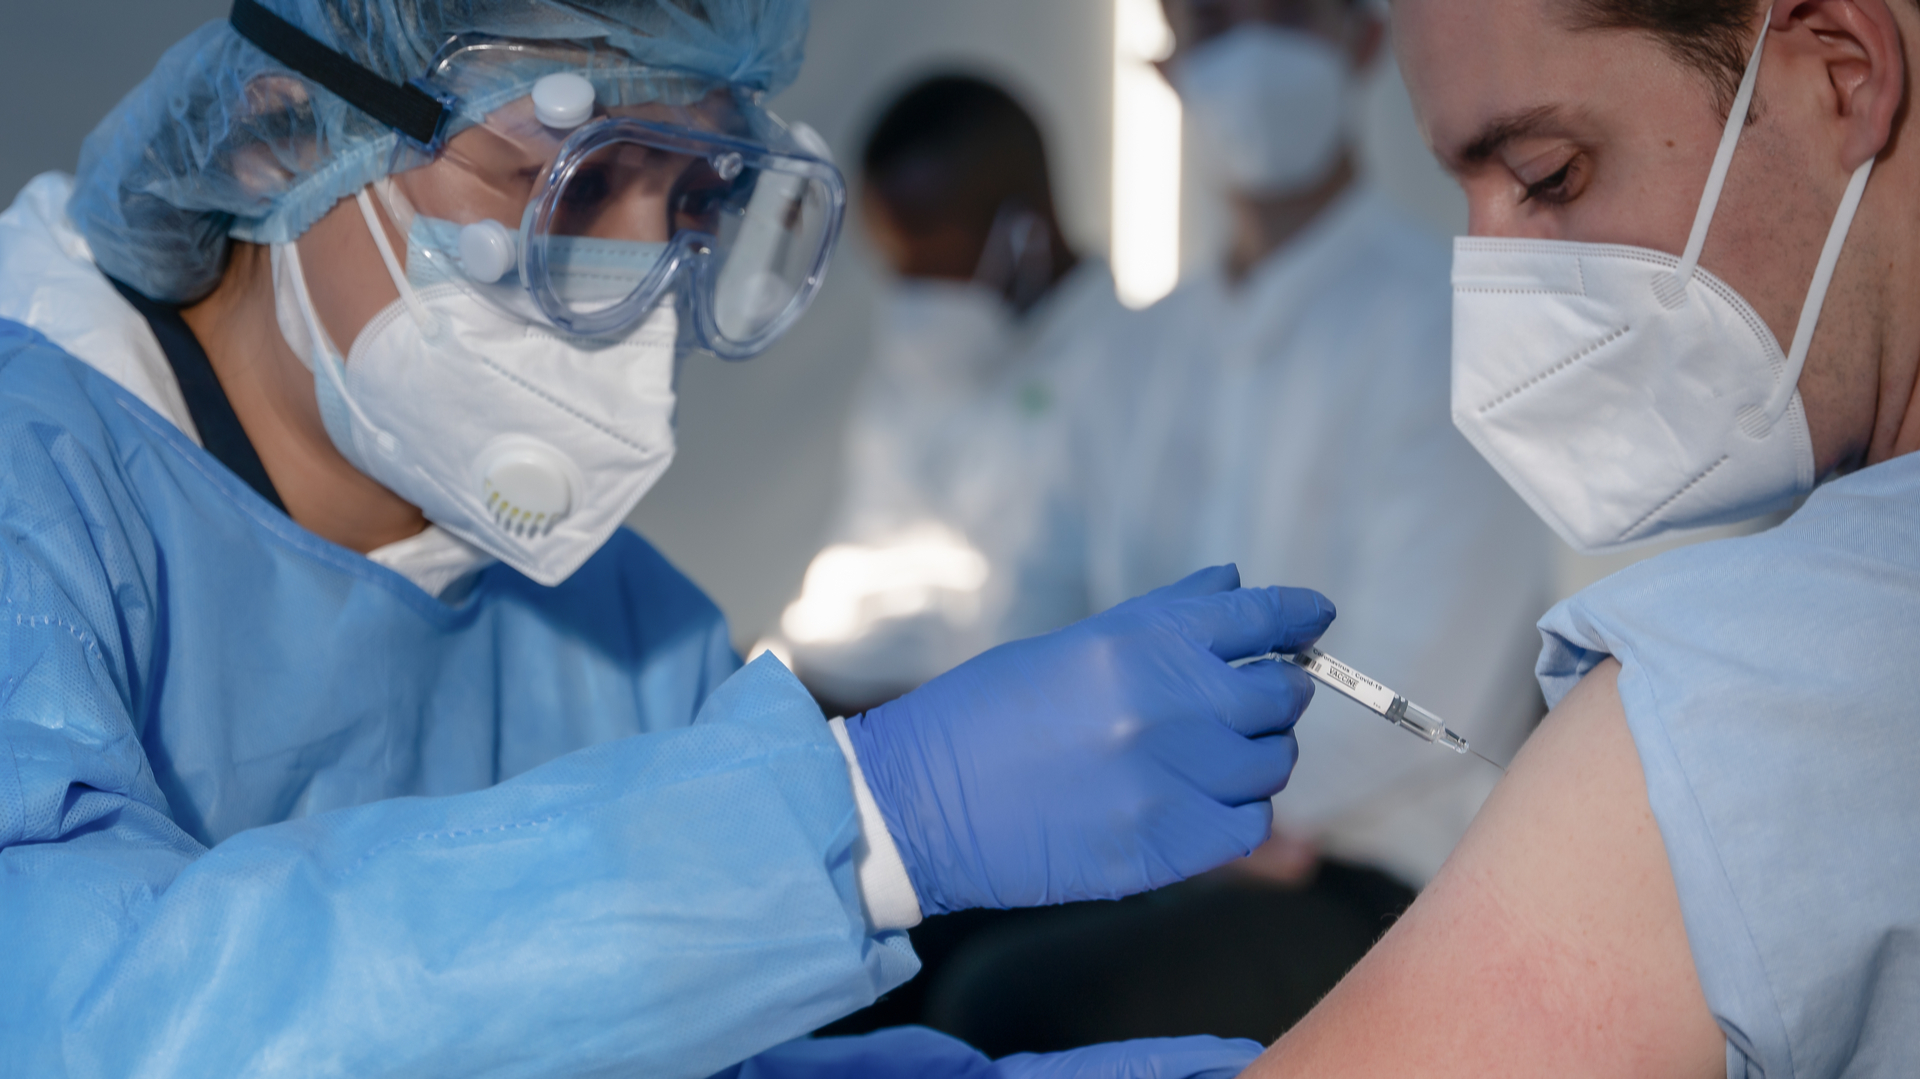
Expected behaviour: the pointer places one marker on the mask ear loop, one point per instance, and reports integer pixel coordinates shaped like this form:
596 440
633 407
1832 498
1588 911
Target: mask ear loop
1817 292
329 356
429 325
1673 290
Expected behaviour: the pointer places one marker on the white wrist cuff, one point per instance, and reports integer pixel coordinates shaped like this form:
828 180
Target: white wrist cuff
885 889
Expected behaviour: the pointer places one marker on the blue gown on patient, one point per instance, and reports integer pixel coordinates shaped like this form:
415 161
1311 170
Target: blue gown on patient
252 809
1772 685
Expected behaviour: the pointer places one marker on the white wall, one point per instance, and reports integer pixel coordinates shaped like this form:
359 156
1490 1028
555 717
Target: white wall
744 506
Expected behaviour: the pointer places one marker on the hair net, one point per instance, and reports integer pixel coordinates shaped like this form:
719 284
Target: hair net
223 141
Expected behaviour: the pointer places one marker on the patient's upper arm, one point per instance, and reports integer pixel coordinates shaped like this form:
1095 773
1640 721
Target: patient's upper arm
1550 944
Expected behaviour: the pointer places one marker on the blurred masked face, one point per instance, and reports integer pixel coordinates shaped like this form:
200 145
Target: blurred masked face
929 226
916 240
1196 22
1267 86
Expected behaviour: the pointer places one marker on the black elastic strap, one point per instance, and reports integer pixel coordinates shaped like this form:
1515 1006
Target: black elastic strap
407 109
220 430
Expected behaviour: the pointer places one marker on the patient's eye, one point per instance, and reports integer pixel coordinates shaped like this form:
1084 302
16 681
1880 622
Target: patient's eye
1552 179
1552 189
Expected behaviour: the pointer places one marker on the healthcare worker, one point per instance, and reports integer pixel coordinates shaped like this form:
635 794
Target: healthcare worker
1287 410
954 532
345 730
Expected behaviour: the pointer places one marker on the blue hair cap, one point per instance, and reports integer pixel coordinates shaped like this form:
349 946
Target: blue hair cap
223 141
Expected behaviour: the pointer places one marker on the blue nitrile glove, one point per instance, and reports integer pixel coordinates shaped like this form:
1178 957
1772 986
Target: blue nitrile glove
919 1051
895 1051
1117 755
1192 1056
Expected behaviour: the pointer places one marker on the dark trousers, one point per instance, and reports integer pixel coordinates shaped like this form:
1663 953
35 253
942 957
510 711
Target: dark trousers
1219 955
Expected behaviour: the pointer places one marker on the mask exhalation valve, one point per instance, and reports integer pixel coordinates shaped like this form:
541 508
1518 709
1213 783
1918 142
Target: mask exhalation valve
526 488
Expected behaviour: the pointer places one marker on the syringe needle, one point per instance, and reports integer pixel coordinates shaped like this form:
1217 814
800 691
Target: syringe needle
1486 759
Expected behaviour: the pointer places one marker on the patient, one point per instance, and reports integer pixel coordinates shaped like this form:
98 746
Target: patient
1706 858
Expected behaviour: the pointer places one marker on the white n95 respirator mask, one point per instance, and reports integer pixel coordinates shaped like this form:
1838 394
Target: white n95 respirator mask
1268 106
1625 392
525 442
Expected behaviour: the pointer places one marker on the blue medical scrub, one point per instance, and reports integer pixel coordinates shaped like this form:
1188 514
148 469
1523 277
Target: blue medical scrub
1772 685
267 807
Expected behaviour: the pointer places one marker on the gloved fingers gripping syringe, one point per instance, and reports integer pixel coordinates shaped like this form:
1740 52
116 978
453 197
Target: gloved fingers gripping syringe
1375 696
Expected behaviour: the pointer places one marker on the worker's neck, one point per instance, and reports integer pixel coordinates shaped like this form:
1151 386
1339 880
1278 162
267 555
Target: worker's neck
1263 224
272 394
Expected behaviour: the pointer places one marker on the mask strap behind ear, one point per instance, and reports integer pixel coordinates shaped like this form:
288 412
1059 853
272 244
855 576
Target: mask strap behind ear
1817 292
1723 159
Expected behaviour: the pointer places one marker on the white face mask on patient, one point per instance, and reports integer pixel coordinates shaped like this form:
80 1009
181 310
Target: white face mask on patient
527 443
1625 392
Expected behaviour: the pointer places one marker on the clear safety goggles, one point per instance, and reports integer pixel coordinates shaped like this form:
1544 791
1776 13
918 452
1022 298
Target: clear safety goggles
626 212
585 189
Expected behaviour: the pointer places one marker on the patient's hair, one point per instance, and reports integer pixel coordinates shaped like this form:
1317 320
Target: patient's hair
956 145
1715 36
1712 35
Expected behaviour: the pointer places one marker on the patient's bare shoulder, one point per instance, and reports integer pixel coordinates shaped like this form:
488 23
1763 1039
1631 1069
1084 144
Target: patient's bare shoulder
1550 944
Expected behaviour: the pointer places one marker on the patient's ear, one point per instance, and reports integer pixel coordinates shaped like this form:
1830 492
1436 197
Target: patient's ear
1857 45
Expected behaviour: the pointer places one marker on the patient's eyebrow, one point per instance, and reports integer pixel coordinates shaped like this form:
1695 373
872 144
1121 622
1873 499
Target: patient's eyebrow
1500 131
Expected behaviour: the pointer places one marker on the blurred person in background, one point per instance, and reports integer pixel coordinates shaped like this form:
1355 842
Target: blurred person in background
1288 410
954 531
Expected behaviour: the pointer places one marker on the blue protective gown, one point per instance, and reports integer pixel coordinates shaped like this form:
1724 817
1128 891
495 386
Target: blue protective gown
267 807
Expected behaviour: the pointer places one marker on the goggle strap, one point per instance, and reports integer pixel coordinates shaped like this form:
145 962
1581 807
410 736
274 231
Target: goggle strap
415 114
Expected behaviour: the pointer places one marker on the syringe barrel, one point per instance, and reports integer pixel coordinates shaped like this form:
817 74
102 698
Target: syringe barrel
1372 694
1415 719
1431 728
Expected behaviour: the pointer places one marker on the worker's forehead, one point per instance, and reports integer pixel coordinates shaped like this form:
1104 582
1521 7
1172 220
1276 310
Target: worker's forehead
1482 71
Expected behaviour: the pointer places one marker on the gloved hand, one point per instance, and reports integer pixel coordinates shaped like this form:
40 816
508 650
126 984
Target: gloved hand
919 1051
1114 756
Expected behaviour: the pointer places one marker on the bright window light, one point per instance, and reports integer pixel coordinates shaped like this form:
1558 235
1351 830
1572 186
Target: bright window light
1146 156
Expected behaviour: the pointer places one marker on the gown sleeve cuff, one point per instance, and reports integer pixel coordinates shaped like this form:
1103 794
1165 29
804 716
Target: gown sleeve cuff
885 889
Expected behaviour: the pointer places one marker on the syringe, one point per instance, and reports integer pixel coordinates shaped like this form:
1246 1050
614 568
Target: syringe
1375 696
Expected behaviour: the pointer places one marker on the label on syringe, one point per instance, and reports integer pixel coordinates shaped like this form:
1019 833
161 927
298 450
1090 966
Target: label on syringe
1373 695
